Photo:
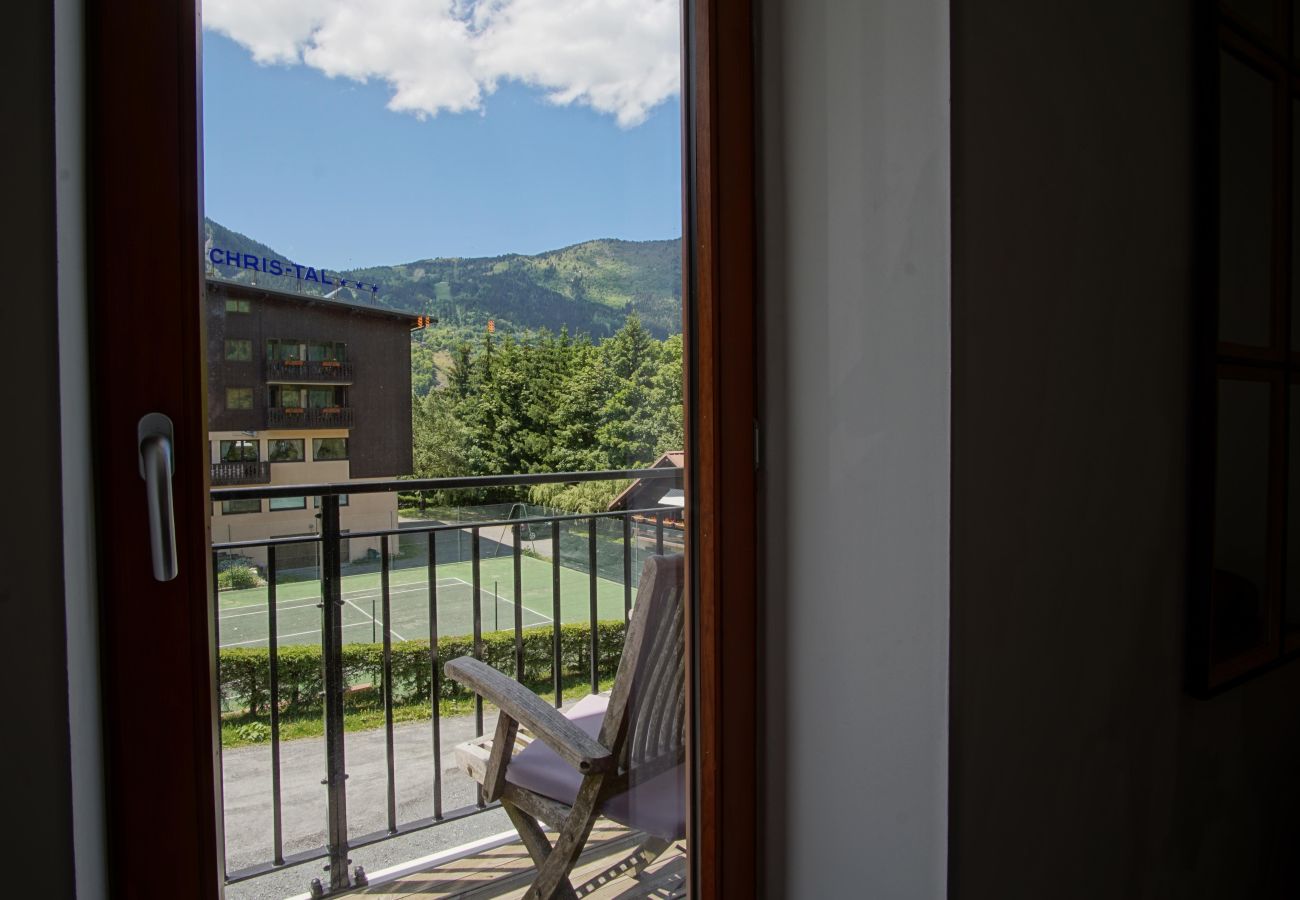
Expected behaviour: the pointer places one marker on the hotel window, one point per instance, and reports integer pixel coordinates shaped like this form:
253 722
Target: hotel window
327 352
238 451
239 350
321 398
286 397
239 398
343 501
284 351
282 503
239 507
286 450
324 449
238 306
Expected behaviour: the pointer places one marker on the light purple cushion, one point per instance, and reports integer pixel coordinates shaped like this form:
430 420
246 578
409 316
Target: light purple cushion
656 806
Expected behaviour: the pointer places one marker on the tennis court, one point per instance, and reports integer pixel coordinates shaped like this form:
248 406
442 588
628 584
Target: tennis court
243 619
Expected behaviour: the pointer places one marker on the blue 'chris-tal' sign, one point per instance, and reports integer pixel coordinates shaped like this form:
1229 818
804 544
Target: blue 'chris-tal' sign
219 257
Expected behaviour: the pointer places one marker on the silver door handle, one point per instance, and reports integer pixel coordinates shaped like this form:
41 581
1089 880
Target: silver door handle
157 466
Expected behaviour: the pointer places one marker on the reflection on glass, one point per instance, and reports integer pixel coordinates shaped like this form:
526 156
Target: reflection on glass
1293 516
1295 228
1258 14
1240 586
1245 202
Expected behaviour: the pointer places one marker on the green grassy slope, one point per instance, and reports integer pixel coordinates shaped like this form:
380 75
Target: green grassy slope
588 288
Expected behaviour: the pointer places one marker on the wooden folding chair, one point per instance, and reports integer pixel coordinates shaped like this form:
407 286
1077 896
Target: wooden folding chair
621 755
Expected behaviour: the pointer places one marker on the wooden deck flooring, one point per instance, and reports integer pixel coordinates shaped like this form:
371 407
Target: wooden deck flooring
603 872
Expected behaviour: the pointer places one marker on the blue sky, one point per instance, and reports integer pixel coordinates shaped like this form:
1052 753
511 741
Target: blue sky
322 170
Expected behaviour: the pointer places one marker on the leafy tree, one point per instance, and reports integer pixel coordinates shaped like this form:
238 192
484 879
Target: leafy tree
541 402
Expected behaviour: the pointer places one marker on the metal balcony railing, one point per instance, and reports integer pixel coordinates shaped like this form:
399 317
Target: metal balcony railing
640 529
306 371
245 472
309 417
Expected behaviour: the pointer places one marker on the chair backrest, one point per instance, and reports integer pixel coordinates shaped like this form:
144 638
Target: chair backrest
645 720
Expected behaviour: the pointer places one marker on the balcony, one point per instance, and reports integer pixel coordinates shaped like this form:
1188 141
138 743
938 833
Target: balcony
603 872
541 594
309 372
309 417
247 472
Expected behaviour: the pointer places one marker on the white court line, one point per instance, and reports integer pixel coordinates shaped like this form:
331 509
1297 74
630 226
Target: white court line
528 609
294 634
391 630
363 592
423 585
278 608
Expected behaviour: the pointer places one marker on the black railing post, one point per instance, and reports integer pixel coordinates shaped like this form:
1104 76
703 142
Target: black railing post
216 637
592 586
435 675
478 639
388 684
273 644
555 613
332 662
519 607
627 567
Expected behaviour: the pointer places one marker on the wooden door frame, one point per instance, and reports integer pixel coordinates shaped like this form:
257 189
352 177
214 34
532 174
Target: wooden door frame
162 763
158 666
722 433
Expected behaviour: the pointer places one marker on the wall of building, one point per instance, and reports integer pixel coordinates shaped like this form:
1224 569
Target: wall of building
1080 768
854 103
34 742
378 350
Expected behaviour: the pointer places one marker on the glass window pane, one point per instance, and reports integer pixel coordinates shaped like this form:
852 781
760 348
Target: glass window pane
329 448
283 450
1245 203
1240 587
239 451
239 350
237 507
279 503
239 398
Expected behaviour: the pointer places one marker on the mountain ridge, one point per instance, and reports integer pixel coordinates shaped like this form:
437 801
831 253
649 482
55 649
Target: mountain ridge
589 287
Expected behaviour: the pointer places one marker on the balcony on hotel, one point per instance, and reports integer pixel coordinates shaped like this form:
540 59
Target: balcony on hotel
298 371
241 472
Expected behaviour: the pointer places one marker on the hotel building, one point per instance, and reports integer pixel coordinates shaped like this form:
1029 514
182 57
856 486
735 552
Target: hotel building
304 390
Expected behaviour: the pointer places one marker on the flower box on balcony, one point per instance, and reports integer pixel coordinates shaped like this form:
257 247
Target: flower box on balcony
331 363
296 410
293 362
331 410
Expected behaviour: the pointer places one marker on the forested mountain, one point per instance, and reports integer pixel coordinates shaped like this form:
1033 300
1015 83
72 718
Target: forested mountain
589 288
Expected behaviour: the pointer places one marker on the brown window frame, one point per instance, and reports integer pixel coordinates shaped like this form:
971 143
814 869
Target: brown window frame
144 111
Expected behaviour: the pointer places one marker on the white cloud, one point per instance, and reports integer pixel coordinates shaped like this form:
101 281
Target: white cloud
619 57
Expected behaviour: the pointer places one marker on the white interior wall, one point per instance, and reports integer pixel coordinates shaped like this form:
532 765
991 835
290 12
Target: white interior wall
855 195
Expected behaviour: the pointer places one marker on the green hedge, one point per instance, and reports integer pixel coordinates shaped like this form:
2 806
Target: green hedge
245 671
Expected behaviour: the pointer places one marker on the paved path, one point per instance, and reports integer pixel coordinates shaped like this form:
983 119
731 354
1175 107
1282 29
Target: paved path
247 785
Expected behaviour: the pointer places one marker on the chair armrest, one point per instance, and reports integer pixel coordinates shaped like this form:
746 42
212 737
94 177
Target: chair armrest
546 722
